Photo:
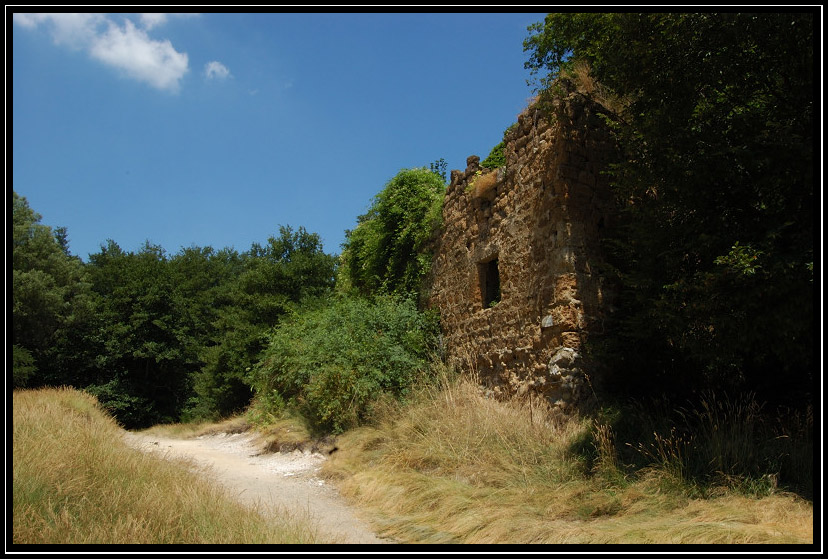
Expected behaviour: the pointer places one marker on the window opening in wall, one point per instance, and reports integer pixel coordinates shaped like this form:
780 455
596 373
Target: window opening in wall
489 276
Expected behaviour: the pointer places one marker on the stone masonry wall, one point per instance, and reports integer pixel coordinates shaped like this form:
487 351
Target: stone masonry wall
532 227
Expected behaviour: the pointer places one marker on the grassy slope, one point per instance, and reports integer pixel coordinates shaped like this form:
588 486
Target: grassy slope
75 481
450 467
455 467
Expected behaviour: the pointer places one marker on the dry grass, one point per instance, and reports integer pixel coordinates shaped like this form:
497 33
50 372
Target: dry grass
196 429
482 186
273 434
585 83
75 481
456 467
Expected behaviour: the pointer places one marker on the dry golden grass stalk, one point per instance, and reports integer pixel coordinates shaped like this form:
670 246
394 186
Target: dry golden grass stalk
75 481
454 466
482 186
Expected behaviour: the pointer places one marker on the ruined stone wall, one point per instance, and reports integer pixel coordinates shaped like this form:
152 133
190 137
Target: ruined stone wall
532 227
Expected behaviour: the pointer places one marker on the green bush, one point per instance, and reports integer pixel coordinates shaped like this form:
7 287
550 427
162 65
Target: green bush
496 157
332 360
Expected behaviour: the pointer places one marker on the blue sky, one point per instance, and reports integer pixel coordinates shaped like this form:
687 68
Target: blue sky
215 129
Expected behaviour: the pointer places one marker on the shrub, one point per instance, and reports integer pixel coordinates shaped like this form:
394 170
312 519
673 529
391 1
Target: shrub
332 360
496 157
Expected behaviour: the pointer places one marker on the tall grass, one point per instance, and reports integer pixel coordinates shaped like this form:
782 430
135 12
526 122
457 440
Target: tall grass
581 75
453 466
75 481
718 442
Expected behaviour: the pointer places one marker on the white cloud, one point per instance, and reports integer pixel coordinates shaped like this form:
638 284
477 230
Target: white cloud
154 19
74 30
216 70
131 50
151 20
126 48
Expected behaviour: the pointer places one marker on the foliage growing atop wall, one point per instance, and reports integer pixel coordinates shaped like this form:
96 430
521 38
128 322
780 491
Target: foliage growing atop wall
439 167
388 252
496 157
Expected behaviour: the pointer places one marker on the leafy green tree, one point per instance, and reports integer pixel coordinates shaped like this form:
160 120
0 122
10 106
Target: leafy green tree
204 280
148 354
155 338
713 252
22 366
51 300
439 168
388 250
267 282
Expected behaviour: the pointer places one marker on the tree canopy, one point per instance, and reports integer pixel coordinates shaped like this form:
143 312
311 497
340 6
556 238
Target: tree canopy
388 251
155 337
713 254
50 298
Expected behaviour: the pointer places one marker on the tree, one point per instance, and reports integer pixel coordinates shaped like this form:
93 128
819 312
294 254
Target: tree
267 282
148 354
388 252
204 281
713 253
51 300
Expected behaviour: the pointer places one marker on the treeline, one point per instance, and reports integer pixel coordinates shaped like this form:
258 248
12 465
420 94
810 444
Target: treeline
161 338
155 337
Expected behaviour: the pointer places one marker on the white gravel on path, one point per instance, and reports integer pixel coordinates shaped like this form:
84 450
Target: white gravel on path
275 481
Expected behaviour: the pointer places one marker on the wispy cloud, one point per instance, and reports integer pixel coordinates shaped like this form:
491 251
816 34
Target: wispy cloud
73 30
124 47
151 20
216 70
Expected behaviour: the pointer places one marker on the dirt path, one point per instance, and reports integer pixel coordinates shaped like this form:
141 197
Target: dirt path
285 481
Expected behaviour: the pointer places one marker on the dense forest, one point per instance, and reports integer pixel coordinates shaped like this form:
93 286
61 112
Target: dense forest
196 335
712 254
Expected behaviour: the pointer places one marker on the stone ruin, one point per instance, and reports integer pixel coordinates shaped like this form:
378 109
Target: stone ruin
514 273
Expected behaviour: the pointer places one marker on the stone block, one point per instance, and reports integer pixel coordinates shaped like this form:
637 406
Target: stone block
564 317
571 339
566 288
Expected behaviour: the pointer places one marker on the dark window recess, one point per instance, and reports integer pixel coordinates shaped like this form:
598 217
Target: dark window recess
489 283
